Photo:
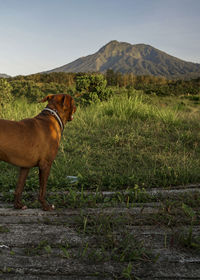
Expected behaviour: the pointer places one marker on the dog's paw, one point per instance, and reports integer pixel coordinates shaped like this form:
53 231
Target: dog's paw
19 205
48 207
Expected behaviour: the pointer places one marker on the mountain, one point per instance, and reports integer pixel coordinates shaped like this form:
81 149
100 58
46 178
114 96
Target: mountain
138 59
4 76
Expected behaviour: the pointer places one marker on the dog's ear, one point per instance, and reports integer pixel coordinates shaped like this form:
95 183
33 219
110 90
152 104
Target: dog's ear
47 98
66 100
68 103
63 99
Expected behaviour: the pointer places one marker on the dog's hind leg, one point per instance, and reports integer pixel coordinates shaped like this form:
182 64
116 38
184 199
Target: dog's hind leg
43 177
20 186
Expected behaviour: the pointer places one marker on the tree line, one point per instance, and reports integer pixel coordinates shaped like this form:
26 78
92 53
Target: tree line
91 87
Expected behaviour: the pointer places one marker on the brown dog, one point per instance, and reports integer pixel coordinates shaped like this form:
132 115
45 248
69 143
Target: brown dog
34 142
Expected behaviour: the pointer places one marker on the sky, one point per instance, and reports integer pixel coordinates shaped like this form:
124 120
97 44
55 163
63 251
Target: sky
39 35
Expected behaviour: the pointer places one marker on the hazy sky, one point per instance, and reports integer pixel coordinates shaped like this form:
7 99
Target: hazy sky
39 35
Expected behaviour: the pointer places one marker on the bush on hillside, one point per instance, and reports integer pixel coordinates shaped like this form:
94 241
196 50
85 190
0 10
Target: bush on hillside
28 89
5 92
92 88
35 91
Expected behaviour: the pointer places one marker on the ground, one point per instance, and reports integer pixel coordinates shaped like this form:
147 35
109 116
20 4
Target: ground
89 243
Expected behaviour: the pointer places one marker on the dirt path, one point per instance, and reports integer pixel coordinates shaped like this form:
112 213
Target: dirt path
74 244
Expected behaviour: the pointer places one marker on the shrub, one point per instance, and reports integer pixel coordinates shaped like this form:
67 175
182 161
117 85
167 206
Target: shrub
92 88
5 92
29 89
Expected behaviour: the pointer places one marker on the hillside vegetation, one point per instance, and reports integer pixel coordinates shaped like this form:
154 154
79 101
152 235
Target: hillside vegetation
34 87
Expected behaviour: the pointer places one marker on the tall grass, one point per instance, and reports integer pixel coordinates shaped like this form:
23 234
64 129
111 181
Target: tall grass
135 107
20 109
128 140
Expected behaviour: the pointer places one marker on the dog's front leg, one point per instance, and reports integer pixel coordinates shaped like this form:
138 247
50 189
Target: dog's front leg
20 186
43 177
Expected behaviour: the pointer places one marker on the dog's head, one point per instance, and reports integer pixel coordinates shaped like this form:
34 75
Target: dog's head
63 103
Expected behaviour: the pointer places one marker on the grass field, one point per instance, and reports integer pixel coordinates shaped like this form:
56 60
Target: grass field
132 139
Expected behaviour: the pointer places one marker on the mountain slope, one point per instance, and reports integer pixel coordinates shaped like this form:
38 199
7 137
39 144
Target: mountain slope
139 59
4 76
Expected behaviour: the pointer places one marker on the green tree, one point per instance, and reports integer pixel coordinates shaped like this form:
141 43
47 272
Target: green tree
111 77
92 88
5 92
